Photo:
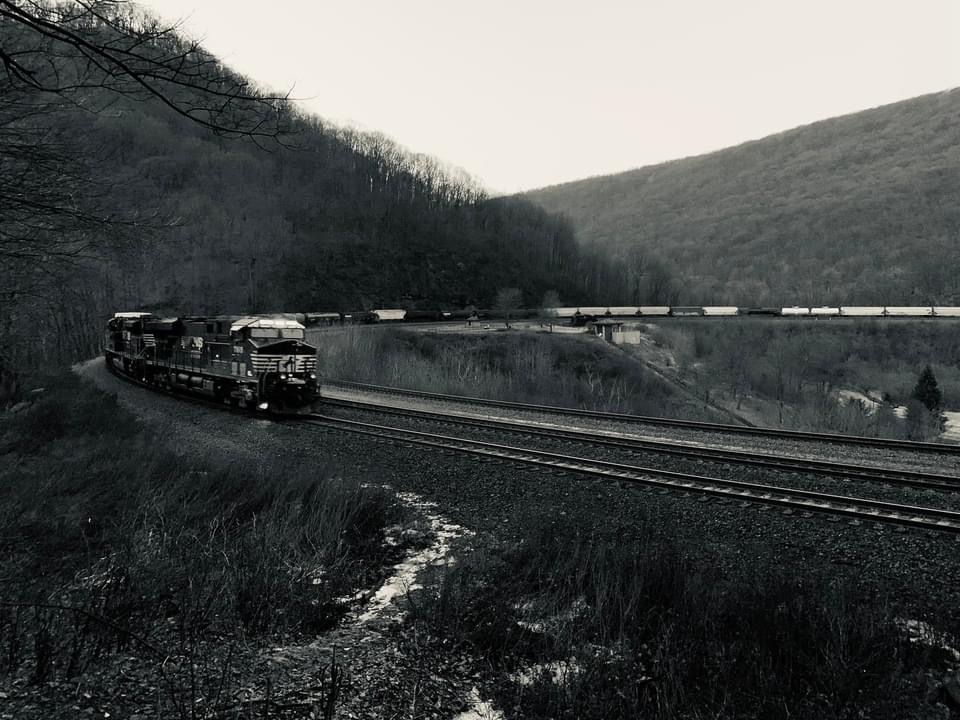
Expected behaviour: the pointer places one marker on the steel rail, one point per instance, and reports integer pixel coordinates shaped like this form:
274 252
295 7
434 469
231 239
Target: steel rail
914 445
852 471
922 518
918 518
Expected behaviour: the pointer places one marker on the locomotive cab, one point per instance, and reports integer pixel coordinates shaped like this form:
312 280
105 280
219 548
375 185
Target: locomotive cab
255 362
285 366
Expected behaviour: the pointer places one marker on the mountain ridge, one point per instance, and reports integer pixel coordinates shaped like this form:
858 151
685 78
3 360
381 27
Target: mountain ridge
831 187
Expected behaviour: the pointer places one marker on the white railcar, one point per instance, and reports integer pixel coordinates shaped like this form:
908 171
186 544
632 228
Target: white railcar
653 310
795 311
719 310
593 311
390 314
861 311
623 310
824 311
945 311
909 311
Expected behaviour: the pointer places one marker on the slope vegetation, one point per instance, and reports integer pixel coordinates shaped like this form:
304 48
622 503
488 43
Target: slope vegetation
131 205
858 209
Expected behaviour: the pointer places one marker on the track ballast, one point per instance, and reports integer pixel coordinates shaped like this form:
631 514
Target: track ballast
887 443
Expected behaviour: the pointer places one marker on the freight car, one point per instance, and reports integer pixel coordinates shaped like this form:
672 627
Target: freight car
254 362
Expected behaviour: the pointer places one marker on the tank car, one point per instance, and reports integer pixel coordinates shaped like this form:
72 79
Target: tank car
256 362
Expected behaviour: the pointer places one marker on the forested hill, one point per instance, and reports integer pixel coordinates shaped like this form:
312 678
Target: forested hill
859 209
337 219
118 198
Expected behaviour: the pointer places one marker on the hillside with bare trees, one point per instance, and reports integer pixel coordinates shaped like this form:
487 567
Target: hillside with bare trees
859 209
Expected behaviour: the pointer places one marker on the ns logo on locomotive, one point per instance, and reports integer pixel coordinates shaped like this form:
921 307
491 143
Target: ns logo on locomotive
255 362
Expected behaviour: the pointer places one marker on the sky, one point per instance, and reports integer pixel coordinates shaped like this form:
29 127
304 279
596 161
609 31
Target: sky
527 93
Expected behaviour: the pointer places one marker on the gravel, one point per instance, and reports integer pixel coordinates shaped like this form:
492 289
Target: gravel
948 464
660 461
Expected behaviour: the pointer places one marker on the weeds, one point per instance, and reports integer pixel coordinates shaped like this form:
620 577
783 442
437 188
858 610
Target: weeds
644 628
114 544
797 367
566 371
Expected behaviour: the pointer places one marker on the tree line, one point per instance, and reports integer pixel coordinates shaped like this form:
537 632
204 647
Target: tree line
138 171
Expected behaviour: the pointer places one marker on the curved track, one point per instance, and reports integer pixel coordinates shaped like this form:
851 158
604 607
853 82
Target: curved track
852 471
792 500
663 422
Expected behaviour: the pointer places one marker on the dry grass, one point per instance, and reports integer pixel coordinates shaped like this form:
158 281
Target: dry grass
114 544
567 371
644 628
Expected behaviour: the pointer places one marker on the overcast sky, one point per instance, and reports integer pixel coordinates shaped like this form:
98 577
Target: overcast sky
526 93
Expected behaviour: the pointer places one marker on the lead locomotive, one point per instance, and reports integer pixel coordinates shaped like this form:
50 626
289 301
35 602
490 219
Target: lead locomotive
259 362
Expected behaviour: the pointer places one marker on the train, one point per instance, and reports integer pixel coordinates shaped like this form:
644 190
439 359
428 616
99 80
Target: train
585 313
734 311
257 362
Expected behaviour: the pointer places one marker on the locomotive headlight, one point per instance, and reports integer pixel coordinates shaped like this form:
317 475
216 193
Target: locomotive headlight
313 376
263 406
249 373
283 376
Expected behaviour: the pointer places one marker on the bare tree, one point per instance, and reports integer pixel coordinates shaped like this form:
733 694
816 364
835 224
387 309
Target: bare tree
508 302
104 45
548 313
60 63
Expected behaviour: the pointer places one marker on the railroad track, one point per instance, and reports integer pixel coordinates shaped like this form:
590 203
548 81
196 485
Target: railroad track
851 471
888 443
791 500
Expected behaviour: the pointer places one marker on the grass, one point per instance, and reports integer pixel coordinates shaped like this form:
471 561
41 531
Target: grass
112 543
644 627
794 368
536 368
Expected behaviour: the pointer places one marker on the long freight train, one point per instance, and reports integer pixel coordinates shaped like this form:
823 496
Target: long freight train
255 362
583 314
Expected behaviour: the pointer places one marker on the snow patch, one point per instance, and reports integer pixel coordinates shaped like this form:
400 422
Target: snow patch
845 397
405 573
920 632
558 672
553 623
479 709
951 428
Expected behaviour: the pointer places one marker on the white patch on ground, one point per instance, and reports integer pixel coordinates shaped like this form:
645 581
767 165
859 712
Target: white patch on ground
555 622
920 632
557 672
845 397
951 429
405 573
479 709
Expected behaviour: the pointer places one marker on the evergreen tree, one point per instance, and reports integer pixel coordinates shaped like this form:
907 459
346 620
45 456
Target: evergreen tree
927 392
